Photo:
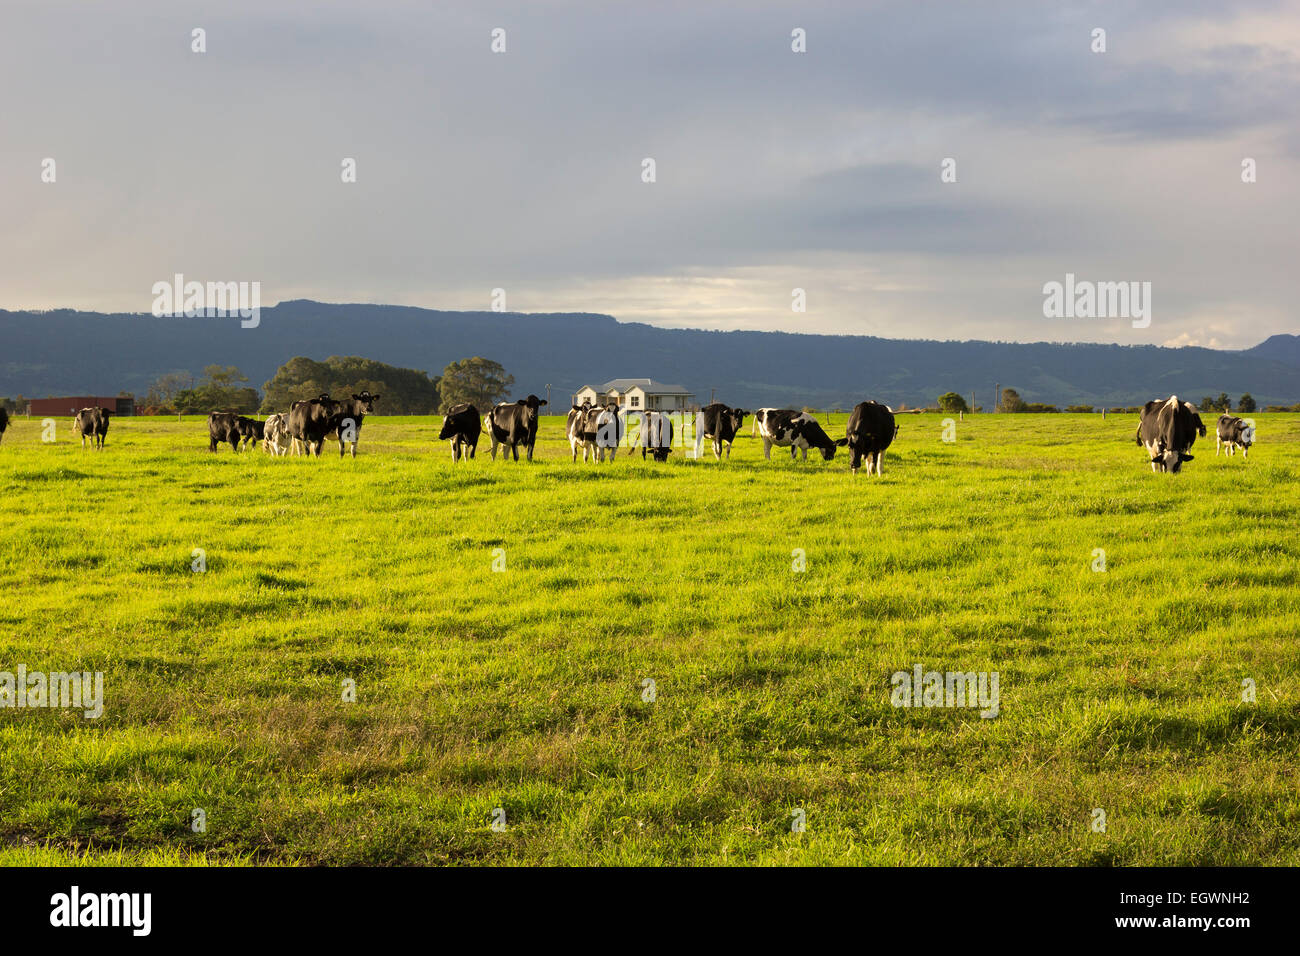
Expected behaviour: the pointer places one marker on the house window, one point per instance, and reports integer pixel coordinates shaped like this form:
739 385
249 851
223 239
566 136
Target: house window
636 402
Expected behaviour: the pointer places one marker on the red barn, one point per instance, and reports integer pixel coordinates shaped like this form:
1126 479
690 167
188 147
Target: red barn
49 407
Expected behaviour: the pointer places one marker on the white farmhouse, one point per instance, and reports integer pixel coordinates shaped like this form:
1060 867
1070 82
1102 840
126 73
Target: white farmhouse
637 394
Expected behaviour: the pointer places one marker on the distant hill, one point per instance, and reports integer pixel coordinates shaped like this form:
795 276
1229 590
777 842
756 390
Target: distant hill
76 353
1279 348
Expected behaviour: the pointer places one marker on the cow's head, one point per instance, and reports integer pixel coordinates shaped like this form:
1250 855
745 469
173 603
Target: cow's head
1248 435
737 416
367 401
828 451
1170 460
532 401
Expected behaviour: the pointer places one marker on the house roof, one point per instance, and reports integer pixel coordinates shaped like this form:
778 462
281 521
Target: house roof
647 385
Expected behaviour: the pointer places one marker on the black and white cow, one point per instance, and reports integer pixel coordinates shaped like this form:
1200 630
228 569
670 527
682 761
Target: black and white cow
4 421
310 421
611 426
870 431
250 430
462 426
655 434
275 434
580 429
349 413
719 423
223 427
799 431
1233 433
514 424
1167 430
92 423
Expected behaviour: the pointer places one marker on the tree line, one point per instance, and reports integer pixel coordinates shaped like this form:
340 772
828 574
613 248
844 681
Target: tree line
403 391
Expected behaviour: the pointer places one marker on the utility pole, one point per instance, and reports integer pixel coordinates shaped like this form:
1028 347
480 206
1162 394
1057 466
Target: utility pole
711 391
997 396
548 394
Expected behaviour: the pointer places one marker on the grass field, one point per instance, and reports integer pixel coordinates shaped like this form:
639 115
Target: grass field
522 689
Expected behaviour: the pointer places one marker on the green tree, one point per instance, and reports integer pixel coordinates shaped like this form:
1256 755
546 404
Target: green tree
479 381
1223 403
1207 404
1246 404
952 402
402 391
220 390
1011 401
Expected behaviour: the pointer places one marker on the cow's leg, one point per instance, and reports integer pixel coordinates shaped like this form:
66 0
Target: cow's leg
514 450
1245 451
855 460
767 448
353 449
1216 446
880 461
530 451
212 443
717 450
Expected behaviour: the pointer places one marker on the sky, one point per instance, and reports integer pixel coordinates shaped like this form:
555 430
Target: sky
774 170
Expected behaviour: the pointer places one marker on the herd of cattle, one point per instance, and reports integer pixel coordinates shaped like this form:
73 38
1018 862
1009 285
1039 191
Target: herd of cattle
1167 430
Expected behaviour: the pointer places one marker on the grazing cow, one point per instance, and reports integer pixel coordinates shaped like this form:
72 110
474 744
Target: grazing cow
580 429
1168 429
1233 433
223 427
463 427
92 423
4 421
250 430
870 431
275 434
798 430
310 421
656 434
349 413
610 429
721 424
514 424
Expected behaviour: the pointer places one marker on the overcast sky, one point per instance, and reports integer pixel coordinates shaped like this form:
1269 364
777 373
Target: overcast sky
523 170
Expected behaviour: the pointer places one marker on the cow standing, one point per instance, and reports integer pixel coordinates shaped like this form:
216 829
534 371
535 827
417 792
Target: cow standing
580 429
275 434
798 430
92 423
463 427
721 424
310 421
610 428
1168 429
1233 433
514 424
4 421
870 431
656 434
348 416
250 430
223 427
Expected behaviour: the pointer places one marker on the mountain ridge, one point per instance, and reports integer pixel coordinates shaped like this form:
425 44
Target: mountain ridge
73 352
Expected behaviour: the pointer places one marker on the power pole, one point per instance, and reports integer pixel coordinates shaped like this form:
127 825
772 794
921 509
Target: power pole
711 391
997 396
548 394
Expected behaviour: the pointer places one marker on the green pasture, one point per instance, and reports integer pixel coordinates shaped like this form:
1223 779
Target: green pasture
1124 690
